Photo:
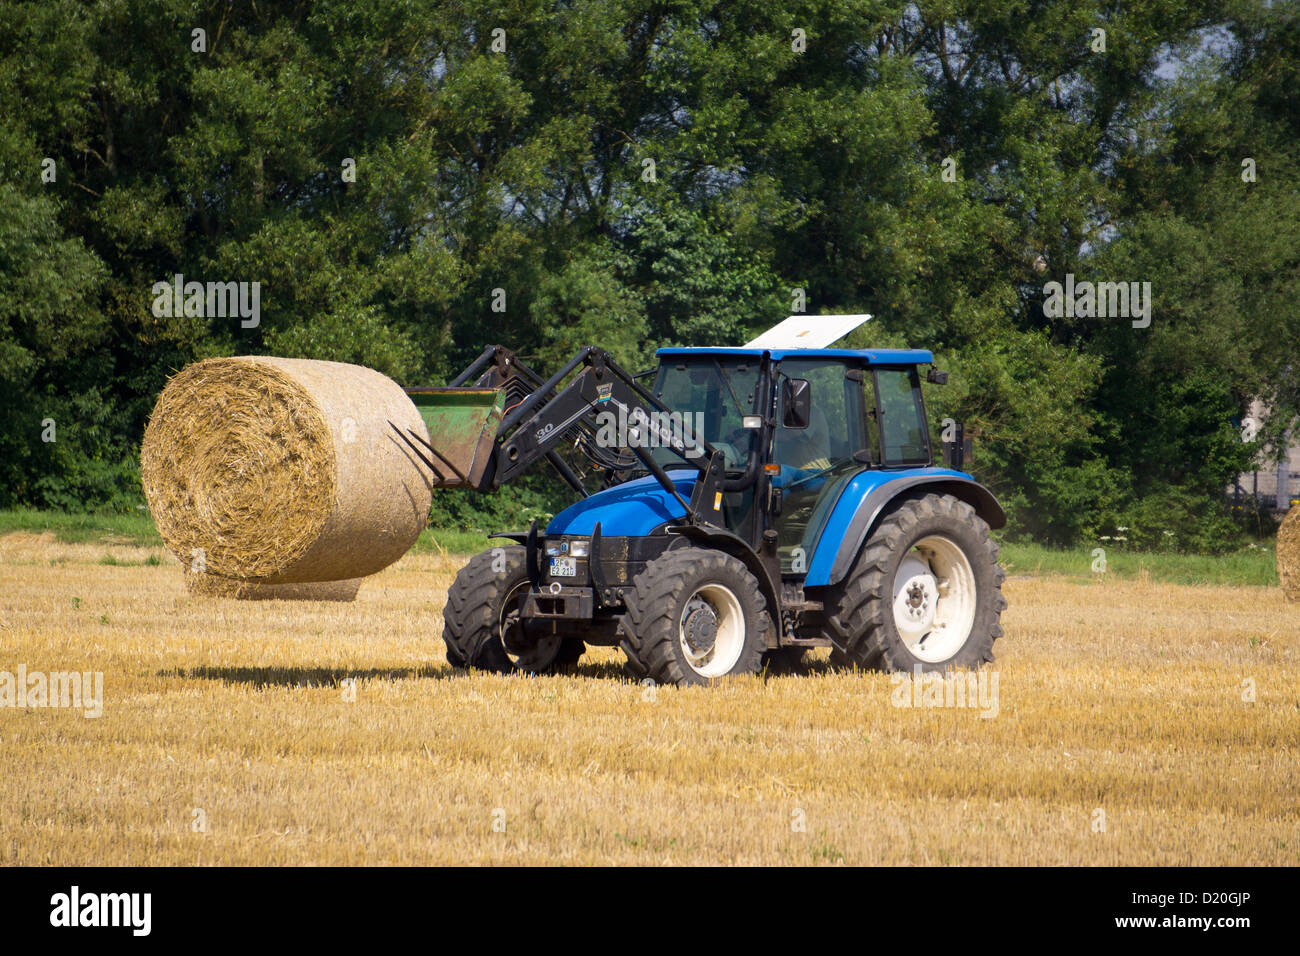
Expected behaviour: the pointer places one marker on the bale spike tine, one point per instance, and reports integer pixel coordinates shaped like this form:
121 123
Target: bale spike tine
442 479
441 457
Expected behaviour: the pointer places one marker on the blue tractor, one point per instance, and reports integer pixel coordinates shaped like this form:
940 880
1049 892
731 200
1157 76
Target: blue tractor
752 503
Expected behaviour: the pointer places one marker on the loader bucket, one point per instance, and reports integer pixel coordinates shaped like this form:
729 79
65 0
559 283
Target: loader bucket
462 430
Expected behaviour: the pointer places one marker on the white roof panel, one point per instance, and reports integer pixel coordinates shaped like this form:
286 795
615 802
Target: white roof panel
807 332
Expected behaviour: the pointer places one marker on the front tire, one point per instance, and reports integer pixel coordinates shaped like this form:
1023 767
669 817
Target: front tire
481 619
925 591
694 616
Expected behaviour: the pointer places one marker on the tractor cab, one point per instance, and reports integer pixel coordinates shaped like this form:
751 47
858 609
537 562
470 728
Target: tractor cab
794 426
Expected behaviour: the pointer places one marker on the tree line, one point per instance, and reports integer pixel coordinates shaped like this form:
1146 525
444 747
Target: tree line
407 182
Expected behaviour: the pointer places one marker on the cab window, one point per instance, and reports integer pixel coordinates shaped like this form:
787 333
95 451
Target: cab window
904 437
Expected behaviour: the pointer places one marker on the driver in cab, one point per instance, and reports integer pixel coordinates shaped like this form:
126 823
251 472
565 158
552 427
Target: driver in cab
803 453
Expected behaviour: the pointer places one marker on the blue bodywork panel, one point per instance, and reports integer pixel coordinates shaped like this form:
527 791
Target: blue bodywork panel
846 508
838 528
632 509
870 356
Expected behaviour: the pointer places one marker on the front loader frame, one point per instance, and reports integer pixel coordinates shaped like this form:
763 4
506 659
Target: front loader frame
538 421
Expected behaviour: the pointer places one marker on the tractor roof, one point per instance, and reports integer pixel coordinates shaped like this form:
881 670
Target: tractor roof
868 356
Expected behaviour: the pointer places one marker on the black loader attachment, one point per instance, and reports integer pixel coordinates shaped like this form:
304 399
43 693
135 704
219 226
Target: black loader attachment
499 417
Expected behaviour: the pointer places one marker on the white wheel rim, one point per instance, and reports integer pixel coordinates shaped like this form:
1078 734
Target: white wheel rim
934 599
532 656
711 630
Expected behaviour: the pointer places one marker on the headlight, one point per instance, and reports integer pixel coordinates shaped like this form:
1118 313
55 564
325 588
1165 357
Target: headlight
576 548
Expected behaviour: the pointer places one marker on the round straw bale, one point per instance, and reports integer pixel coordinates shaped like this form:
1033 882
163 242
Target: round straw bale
284 471
1288 555
208 584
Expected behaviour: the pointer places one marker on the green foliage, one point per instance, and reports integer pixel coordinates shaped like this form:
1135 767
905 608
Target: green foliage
1252 565
633 174
590 301
701 287
509 508
134 527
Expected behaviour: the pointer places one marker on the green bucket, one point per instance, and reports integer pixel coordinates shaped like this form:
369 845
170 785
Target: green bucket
463 426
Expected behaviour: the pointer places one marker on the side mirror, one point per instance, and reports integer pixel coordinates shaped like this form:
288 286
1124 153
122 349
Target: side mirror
796 400
936 377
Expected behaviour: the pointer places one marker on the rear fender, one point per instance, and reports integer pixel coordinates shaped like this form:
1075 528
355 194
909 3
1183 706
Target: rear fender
861 505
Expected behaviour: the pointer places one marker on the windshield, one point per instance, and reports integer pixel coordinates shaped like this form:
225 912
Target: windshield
708 397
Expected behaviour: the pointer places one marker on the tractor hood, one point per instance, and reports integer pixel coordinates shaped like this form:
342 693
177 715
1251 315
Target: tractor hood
632 509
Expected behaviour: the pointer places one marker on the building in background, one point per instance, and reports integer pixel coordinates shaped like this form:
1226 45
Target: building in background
1275 485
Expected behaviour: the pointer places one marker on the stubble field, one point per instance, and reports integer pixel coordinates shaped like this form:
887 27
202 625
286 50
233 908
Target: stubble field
312 733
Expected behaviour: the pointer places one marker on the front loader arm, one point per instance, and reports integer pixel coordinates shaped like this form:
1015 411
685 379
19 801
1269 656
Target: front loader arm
498 417
637 420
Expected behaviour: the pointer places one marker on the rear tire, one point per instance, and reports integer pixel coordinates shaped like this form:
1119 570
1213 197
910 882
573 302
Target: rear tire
925 590
480 620
693 616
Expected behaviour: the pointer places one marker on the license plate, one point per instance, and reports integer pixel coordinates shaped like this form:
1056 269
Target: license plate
564 567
